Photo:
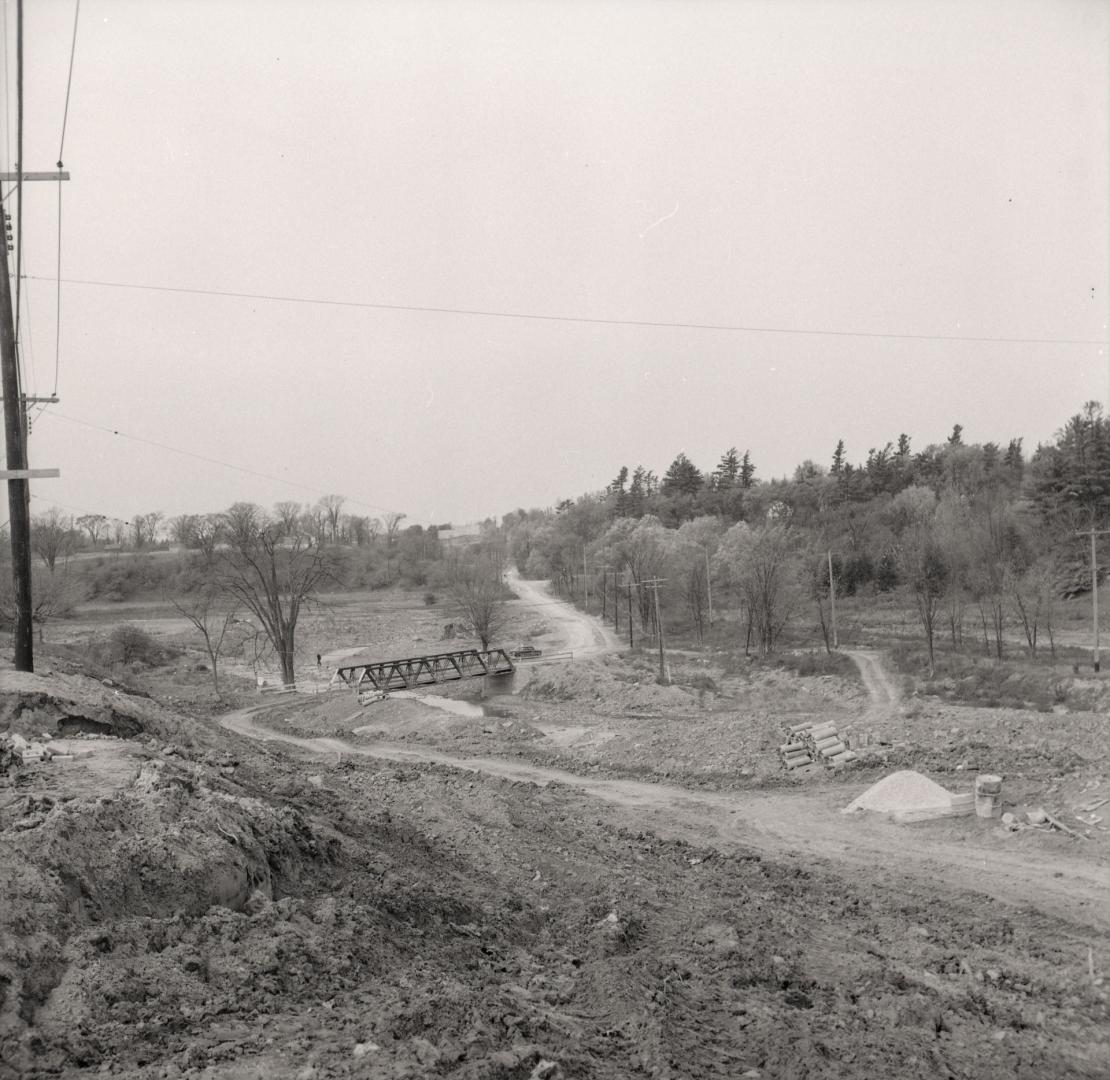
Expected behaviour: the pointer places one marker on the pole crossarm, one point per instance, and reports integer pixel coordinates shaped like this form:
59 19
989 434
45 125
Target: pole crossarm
15 177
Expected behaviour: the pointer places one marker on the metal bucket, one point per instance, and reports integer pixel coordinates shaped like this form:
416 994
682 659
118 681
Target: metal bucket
988 796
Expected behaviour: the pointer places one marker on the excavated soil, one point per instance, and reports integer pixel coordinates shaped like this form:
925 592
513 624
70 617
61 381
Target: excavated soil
187 902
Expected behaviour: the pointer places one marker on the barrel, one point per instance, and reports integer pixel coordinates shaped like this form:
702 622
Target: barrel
988 796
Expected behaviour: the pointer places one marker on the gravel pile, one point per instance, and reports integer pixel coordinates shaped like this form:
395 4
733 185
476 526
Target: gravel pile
904 790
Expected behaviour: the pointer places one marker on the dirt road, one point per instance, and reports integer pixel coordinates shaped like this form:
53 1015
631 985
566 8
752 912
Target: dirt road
804 826
573 630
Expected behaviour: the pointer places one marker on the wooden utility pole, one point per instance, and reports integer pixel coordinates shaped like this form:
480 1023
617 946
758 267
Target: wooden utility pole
653 584
19 515
1093 533
708 586
832 599
16 472
604 591
585 580
628 592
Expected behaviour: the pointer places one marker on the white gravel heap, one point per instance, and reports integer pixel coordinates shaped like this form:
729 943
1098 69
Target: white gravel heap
905 790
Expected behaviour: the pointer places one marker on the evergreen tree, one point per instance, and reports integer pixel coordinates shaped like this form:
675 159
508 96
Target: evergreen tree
727 471
682 478
747 471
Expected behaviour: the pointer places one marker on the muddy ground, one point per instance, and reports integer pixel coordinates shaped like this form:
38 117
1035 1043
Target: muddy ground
641 892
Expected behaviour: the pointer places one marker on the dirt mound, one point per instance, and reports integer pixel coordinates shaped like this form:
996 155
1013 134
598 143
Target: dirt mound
171 844
904 790
607 684
57 704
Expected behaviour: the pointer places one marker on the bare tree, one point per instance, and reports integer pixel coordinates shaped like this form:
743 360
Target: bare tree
183 529
53 537
392 522
205 606
476 585
208 531
144 528
288 515
332 505
923 567
53 596
272 579
96 525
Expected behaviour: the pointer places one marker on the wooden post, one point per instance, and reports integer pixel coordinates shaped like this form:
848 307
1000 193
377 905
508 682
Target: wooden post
18 488
832 599
15 443
1093 532
654 584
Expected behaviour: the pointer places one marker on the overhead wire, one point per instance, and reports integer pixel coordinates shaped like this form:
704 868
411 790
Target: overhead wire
61 154
538 316
213 461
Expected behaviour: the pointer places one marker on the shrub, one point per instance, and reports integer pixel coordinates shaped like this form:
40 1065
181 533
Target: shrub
430 599
132 644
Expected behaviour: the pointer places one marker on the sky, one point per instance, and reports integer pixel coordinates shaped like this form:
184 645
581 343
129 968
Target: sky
769 225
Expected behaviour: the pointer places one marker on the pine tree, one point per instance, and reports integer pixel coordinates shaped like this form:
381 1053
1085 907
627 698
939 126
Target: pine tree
837 468
682 478
747 471
727 471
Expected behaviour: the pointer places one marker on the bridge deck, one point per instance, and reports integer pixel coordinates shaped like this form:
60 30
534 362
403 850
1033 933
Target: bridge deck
416 671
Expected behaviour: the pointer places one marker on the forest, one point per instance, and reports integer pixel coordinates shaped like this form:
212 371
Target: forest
980 540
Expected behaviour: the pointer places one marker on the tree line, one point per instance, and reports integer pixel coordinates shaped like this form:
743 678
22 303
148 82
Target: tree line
979 539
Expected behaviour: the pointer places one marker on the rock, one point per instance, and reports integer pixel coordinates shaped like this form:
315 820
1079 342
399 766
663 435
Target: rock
363 1048
546 1070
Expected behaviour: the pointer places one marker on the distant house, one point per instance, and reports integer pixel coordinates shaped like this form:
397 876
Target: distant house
455 536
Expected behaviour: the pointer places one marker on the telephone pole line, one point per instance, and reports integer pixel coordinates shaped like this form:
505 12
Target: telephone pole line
832 599
1093 533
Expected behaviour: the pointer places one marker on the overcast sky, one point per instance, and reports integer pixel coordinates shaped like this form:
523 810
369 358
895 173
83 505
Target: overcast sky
815 169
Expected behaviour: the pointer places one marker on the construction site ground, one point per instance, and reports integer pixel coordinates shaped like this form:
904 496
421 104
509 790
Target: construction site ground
594 876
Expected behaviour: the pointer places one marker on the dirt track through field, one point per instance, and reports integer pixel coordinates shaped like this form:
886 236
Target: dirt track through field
882 692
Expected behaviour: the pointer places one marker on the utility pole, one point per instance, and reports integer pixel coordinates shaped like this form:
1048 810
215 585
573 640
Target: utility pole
1093 532
585 580
708 586
616 603
832 599
604 592
16 471
653 584
628 590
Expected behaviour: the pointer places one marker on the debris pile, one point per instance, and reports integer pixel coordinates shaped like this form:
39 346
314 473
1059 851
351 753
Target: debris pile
810 742
1038 819
17 750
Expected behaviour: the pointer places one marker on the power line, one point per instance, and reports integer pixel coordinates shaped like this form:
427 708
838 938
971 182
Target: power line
489 314
19 156
69 83
212 460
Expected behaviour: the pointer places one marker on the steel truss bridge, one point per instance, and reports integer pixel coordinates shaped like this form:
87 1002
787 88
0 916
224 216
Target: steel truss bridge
385 675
